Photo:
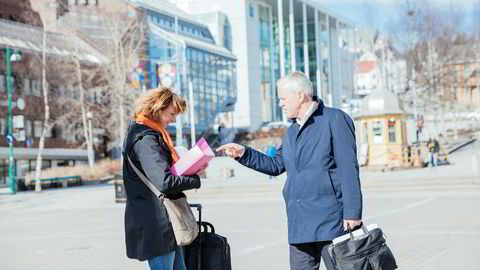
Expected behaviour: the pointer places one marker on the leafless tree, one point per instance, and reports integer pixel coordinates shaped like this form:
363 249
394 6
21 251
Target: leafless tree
476 19
429 35
46 125
120 38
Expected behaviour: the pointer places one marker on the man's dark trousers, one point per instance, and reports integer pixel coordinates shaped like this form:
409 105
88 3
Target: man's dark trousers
307 256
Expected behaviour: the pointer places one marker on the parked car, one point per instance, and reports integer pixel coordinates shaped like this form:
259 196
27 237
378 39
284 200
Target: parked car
278 124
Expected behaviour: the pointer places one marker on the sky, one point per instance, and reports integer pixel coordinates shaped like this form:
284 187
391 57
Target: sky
383 10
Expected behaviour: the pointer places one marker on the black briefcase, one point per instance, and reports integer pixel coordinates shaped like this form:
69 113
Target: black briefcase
367 251
209 251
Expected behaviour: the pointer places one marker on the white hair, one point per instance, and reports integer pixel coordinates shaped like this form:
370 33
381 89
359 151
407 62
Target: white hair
296 81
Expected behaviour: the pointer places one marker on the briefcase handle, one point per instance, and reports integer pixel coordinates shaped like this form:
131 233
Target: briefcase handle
362 225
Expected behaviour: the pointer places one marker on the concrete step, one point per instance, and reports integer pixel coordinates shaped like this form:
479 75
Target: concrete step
236 188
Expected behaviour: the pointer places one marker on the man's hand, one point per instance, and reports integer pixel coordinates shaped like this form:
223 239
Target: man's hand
232 150
350 224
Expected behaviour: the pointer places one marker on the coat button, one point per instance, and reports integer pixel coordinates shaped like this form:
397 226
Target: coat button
298 200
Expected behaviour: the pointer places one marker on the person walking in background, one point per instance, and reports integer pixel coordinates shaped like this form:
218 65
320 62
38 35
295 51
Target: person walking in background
436 151
148 232
431 148
322 191
271 152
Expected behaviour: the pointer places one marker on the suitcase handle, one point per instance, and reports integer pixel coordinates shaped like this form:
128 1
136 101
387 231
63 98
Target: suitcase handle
196 205
206 226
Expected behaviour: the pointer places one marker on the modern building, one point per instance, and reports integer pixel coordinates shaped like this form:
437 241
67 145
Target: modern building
271 38
181 50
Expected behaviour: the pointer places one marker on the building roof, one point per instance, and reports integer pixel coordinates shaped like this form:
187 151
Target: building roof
166 7
365 66
28 38
380 103
191 42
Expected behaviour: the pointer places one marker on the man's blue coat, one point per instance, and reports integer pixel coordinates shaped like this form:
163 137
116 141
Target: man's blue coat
323 186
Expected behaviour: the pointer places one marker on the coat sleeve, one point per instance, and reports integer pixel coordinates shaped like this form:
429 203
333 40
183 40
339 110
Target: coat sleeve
260 162
345 155
154 163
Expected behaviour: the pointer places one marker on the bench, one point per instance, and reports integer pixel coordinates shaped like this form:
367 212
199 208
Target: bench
64 181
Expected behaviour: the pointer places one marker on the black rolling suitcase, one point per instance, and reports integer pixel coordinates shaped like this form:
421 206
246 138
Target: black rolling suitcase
209 251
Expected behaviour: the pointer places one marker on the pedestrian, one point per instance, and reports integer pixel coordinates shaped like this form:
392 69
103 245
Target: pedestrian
271 152
431 148
436 151
322 191
148 232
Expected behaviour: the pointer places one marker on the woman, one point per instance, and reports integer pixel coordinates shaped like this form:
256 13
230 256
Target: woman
149 235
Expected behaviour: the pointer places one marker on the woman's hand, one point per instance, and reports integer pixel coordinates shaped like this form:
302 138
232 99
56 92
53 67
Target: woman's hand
202 170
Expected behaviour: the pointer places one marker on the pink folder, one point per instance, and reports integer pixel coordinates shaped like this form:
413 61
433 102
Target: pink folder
194 159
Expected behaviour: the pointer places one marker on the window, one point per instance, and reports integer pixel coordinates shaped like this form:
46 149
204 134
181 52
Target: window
3 126
37 128
48 134
36 87
226 35
392 131
251 10
3 171
45 164
377 132
3 83
26 86
466 72
29 128
365 132
17 85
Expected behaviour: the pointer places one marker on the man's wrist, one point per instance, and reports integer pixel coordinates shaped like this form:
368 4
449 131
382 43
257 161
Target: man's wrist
243 154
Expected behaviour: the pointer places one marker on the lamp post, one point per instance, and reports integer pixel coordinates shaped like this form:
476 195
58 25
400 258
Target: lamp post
412 14
10 56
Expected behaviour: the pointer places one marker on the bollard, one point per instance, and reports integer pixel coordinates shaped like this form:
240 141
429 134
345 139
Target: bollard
476 164
227 172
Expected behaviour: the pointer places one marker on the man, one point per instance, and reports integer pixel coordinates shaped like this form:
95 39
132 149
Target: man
322 191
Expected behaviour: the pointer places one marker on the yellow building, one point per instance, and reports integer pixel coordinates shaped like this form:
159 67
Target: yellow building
381 131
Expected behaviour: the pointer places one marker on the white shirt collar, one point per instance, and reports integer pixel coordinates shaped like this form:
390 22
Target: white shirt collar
313 107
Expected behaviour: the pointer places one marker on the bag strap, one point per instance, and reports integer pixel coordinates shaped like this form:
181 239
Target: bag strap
145 180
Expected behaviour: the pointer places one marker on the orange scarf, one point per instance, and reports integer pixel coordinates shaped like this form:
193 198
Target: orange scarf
143 120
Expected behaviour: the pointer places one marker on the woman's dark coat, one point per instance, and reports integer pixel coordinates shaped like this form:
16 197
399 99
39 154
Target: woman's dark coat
148 232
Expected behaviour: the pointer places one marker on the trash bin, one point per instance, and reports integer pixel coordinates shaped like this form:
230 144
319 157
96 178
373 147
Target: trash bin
120 194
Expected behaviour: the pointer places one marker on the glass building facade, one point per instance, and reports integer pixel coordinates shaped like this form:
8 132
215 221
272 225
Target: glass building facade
320 50
273 38
187 53
214 84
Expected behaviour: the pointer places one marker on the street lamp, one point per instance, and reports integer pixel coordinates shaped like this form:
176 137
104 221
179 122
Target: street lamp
10 56
412 14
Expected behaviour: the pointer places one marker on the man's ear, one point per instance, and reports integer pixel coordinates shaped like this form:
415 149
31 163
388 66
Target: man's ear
301 95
